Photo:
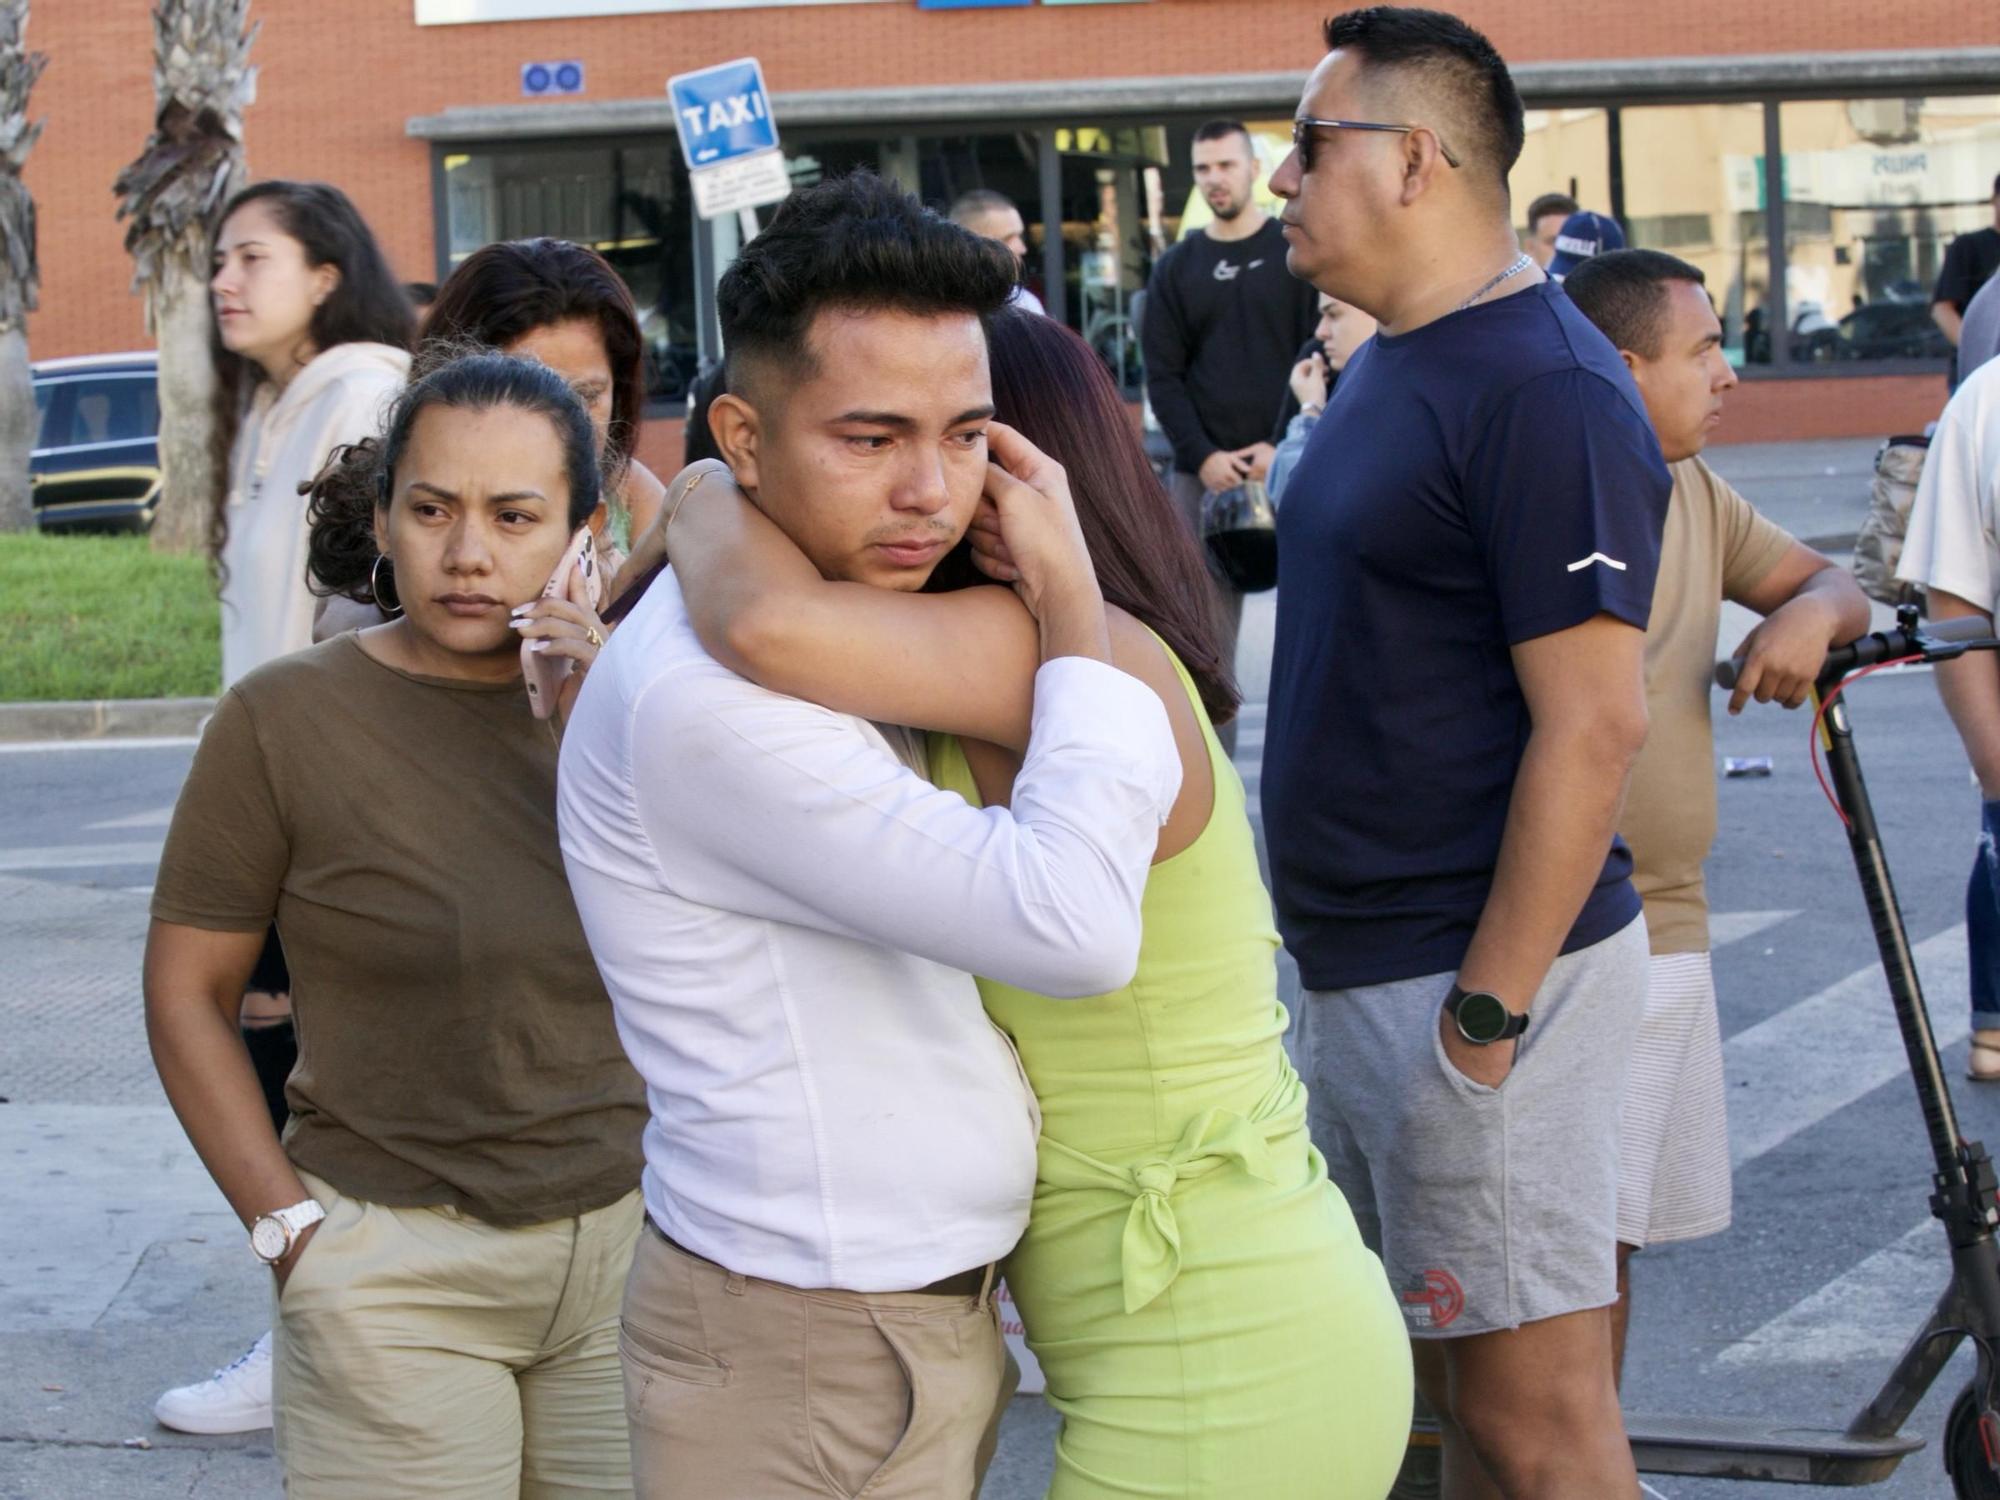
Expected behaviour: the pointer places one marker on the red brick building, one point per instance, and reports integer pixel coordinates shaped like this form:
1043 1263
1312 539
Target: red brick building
1815 157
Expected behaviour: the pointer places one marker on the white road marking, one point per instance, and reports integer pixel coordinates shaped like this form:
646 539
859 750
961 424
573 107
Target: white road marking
1726 927
1867 1315
56 747
1792 1070
158 817
80 857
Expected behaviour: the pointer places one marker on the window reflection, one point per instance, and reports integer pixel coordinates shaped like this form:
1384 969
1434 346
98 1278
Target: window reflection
1693 179
1875 191
627 201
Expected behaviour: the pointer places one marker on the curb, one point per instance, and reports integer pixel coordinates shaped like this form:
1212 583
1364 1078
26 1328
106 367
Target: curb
107 719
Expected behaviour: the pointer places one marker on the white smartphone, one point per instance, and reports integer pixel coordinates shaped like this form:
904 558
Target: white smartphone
543 673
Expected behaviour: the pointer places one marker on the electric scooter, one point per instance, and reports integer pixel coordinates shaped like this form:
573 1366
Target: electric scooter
1870 1447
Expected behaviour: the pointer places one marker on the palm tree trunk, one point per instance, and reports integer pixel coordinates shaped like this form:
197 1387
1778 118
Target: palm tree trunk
20 278
177 302
18 421
171 197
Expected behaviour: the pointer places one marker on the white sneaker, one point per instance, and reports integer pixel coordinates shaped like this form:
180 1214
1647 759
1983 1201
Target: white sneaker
236 1398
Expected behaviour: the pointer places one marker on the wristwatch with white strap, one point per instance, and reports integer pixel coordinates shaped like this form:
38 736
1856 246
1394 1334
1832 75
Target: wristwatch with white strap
273 1236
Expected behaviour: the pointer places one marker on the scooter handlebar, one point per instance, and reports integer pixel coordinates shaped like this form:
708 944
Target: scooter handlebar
1879 646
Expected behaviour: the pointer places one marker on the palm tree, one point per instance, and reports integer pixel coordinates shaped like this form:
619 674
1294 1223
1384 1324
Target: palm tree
193 161
20 278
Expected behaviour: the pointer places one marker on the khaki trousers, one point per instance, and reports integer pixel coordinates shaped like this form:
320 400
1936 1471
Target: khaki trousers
422 1353
741 1389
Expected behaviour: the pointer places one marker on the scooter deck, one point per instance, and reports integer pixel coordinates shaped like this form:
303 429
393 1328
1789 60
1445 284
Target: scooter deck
1744 1448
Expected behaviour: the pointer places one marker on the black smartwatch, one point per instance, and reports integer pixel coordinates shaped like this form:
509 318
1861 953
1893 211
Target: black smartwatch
1483 1019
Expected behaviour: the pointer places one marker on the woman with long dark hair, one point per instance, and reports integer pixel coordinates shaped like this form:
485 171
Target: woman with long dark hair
312 335
1202 1304
563 304
451 1212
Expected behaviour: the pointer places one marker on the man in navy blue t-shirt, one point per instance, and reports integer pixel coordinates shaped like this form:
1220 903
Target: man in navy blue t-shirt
1466 564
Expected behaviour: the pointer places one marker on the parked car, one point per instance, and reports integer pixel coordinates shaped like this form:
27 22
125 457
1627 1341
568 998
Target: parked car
1875 330
96 464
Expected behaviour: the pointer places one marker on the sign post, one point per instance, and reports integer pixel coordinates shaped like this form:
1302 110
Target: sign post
729 138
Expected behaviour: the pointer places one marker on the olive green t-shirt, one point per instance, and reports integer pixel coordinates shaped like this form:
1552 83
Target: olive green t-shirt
456 1046
1715 547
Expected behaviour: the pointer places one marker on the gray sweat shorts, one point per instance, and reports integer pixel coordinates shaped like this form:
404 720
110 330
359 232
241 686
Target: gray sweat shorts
1491 1207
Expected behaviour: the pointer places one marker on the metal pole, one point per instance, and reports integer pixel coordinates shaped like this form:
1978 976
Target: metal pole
1055 295
1905 990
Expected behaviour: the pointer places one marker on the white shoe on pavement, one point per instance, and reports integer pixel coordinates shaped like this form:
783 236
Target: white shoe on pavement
236 1398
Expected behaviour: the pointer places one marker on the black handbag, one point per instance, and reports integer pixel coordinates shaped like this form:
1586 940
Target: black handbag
1240 529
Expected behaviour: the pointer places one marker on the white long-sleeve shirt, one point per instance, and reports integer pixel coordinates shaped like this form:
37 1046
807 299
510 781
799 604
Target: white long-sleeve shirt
787 919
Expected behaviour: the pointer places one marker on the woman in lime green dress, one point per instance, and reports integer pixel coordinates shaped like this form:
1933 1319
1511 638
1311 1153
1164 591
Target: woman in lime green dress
1210 1324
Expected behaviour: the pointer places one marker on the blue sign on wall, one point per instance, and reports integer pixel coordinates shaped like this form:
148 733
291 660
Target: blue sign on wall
540 78
722 113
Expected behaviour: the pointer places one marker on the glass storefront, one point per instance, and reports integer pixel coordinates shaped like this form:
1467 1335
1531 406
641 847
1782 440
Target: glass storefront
627 200
1873 192
1692 182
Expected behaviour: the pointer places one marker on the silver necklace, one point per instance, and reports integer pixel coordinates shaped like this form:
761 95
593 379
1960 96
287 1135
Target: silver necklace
1520 263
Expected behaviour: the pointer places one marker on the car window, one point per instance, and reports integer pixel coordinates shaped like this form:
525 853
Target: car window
114 411
47 418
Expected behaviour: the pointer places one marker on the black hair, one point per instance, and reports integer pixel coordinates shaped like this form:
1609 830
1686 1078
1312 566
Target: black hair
1624 292
857 243
1996 184
359 478
1551 203
697 438
1220 130
504 291
367 305
1454 66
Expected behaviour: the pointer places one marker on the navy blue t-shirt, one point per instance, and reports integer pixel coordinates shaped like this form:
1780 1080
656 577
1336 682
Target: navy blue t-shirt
1483 480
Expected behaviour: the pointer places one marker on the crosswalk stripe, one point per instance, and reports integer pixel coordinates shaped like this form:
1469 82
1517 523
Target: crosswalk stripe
156 817
1726 927
79 856
1792 1070
1868 1314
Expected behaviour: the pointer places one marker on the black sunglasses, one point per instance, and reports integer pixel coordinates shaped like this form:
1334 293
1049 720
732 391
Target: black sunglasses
1302 136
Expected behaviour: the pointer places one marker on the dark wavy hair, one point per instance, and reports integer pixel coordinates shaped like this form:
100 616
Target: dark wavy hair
367 306
1053 386
857 243
504 291
360 477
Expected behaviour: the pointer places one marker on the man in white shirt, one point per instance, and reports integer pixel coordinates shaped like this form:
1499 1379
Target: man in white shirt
786 916
1950 549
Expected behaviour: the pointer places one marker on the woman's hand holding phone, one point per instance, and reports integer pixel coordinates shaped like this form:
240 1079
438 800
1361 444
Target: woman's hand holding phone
1026 533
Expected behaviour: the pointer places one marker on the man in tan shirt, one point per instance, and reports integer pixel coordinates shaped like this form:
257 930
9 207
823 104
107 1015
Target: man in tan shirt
1673 1135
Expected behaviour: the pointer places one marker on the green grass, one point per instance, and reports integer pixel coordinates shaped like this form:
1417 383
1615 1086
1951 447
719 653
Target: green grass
104 617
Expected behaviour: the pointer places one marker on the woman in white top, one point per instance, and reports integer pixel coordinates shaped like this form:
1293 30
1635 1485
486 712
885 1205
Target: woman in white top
311 343
312 334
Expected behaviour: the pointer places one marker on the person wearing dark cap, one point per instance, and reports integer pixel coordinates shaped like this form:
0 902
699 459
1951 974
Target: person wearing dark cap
1546 217
1583 235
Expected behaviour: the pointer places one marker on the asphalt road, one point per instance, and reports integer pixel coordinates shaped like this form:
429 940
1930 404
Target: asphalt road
126 1273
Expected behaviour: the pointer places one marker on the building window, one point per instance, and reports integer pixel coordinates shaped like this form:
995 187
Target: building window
1692 178
1563 151
1875 190
627 200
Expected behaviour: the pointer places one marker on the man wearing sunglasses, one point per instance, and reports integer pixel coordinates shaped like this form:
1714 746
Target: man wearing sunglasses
1466 563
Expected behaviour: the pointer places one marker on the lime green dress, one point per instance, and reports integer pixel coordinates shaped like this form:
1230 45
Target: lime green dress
1210 1323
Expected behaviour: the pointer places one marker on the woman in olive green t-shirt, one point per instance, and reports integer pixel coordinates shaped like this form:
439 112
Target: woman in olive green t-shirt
451 1213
